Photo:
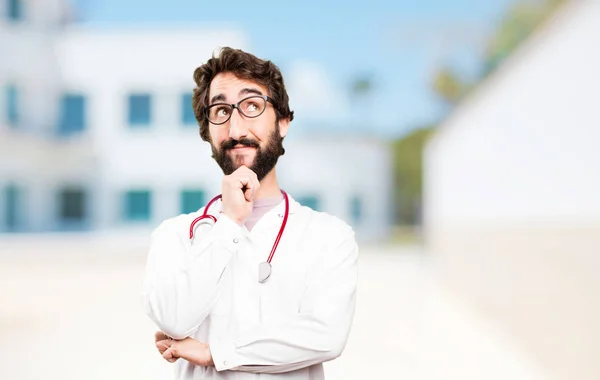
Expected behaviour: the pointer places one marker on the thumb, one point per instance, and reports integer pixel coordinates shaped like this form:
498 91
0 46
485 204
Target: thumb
169 355
162 346
159 335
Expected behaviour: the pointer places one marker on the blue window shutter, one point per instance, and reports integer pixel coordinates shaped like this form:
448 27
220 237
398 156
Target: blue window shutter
311 201
139 110
72 114
11 202
12 106
187 112
15 10
356 209
192 200
137 205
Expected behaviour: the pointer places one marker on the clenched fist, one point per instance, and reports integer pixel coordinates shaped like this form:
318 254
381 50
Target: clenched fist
163 343
190 349
238 191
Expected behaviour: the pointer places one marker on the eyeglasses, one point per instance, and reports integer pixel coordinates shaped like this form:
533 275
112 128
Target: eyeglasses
251 107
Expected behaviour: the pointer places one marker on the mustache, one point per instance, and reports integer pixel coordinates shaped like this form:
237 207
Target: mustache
230 144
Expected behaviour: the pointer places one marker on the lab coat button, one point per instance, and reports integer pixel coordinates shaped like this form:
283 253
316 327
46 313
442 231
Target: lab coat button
225 362
235 240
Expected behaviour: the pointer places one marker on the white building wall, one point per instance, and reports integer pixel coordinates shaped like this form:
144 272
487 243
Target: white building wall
525 148
339 168
30 158
108 65
109 157
167 156
512 211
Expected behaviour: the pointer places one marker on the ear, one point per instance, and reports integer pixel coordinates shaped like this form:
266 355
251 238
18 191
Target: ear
284 125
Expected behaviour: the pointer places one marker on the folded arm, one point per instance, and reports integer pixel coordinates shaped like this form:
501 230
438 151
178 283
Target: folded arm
318 333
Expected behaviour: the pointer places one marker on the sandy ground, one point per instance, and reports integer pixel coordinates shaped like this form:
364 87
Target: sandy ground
70 309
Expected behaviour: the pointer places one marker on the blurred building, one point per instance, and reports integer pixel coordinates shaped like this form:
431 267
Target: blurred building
97 131
512 196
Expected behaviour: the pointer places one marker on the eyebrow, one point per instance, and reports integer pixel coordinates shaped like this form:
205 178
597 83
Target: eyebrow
243 91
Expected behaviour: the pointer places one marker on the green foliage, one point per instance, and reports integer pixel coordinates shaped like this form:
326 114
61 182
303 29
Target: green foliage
519 22
448 85
408 169
361 85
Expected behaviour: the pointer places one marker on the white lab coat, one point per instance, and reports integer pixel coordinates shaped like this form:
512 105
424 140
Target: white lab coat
284 328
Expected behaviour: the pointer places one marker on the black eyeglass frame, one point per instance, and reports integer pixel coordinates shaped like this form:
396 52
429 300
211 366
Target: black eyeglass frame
237 105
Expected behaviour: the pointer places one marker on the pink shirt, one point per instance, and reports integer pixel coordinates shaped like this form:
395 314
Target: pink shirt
260 208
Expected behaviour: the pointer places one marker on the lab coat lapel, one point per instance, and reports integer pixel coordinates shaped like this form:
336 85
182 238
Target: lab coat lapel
270 223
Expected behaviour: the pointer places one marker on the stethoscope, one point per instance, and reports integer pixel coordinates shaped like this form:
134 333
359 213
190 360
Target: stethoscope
264 268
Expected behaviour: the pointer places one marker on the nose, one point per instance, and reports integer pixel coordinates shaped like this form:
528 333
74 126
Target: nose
237 126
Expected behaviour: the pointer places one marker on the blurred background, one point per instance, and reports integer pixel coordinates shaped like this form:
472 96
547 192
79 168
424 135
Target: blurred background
458 138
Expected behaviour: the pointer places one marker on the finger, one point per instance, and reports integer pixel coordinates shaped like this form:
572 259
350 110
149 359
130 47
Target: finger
242 169
163 345
250 173
248 187
159 335
249 193
253 189
168 355
240 180
246 171
256 183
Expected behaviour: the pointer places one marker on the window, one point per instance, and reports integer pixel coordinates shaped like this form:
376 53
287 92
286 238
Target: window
72 204
72 208
11 206
356 209
191 200
310 201
139 110
187 112
72 114
137 205
12 106
14 10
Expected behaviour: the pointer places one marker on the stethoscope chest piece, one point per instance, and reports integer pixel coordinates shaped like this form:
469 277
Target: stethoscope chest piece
264 271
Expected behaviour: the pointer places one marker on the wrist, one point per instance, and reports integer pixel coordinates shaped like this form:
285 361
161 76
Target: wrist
239 221
210 361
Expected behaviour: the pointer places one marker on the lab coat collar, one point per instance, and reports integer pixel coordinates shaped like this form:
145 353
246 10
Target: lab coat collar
273 218
279 210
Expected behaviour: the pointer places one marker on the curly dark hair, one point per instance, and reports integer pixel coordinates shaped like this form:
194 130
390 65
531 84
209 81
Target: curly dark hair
244 66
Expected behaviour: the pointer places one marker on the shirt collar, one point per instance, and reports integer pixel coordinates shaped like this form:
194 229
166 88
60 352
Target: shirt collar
279 209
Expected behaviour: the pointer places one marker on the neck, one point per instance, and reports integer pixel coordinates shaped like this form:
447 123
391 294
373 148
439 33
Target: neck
269 188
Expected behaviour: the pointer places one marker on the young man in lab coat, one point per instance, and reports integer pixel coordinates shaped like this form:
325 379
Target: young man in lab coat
219 318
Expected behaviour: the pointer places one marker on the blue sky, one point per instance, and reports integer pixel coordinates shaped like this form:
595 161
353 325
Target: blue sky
396 43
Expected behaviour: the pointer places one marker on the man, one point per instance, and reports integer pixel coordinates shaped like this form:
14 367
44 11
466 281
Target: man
269 287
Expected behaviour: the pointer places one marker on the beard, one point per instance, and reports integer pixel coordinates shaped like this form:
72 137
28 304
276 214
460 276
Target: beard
264 160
